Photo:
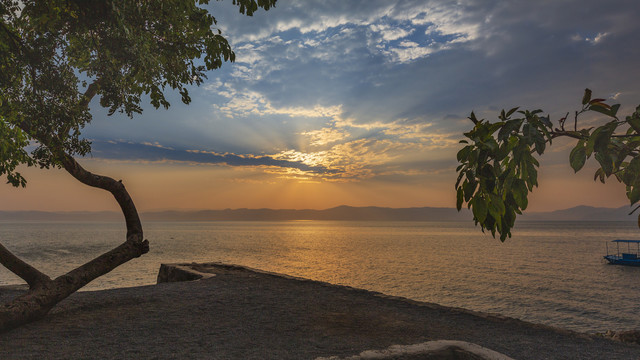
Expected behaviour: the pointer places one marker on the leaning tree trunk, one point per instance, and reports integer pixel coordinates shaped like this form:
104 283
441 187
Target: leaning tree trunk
44 293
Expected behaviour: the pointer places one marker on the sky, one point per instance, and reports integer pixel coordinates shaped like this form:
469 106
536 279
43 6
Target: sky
361 103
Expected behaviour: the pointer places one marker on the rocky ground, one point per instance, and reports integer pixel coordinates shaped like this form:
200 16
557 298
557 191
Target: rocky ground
243 314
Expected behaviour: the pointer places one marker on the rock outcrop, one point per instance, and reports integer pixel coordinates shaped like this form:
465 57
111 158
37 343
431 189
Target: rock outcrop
180 272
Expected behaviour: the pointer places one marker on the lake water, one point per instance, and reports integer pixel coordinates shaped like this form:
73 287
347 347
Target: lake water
551 273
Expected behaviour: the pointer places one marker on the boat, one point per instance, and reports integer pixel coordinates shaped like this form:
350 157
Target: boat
631 257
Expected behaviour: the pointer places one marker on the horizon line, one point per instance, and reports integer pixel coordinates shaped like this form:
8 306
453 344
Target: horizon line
293 209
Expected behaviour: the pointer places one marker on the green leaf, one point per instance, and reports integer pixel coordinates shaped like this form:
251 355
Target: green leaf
520 192
634 194
578 156
605 161
469 188
631 172
491 128
532 173
591 141
635 123
614 110
508 128
601 136
504 234
601 109
509 217
459 178
540 143
487 171
459 198
473 118
510 112
496 206
463 154
599 174
546 121
530 132
480 208
586 97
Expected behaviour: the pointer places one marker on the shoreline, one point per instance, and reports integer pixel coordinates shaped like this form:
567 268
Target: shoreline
243 313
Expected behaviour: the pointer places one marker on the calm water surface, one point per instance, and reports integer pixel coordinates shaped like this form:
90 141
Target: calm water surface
550 273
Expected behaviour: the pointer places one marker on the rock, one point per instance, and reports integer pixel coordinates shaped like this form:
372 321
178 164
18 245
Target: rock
431 350
179 272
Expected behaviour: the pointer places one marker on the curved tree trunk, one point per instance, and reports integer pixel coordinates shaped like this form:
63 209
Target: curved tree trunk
44 293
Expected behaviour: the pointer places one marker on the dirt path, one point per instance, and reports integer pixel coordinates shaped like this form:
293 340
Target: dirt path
244 314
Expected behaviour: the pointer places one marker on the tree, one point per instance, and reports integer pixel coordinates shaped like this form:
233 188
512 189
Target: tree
58 55
498 166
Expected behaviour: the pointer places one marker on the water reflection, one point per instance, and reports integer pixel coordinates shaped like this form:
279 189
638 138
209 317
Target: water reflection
549 272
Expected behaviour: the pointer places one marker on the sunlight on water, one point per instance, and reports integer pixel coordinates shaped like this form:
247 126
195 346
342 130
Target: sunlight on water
550 273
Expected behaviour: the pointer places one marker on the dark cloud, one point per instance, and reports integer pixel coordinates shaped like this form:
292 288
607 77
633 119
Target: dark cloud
128 151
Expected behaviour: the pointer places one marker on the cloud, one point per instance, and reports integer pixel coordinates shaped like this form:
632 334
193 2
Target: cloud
325 136
130 151
615 96
389 33
593 40
245 102
362 159
351 160
408 51
340 32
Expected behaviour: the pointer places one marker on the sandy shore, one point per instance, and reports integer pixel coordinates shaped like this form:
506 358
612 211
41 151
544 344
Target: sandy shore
245 314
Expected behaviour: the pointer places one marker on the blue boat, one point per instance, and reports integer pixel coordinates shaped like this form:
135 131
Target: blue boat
631 257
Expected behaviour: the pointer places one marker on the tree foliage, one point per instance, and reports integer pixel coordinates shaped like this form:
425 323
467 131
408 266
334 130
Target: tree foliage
499 167
56 55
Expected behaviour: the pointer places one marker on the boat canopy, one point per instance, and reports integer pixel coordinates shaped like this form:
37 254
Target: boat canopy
626 241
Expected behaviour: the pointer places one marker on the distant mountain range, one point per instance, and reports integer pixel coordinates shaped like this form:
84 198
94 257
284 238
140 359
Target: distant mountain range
371 213
337 213
583 213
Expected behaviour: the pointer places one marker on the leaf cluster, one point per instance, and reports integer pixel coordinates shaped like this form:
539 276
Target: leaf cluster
498 165
497 168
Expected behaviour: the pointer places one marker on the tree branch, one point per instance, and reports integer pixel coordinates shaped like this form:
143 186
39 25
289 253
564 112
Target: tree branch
571 134
77 278
26 272
116 188
92 90
579 136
